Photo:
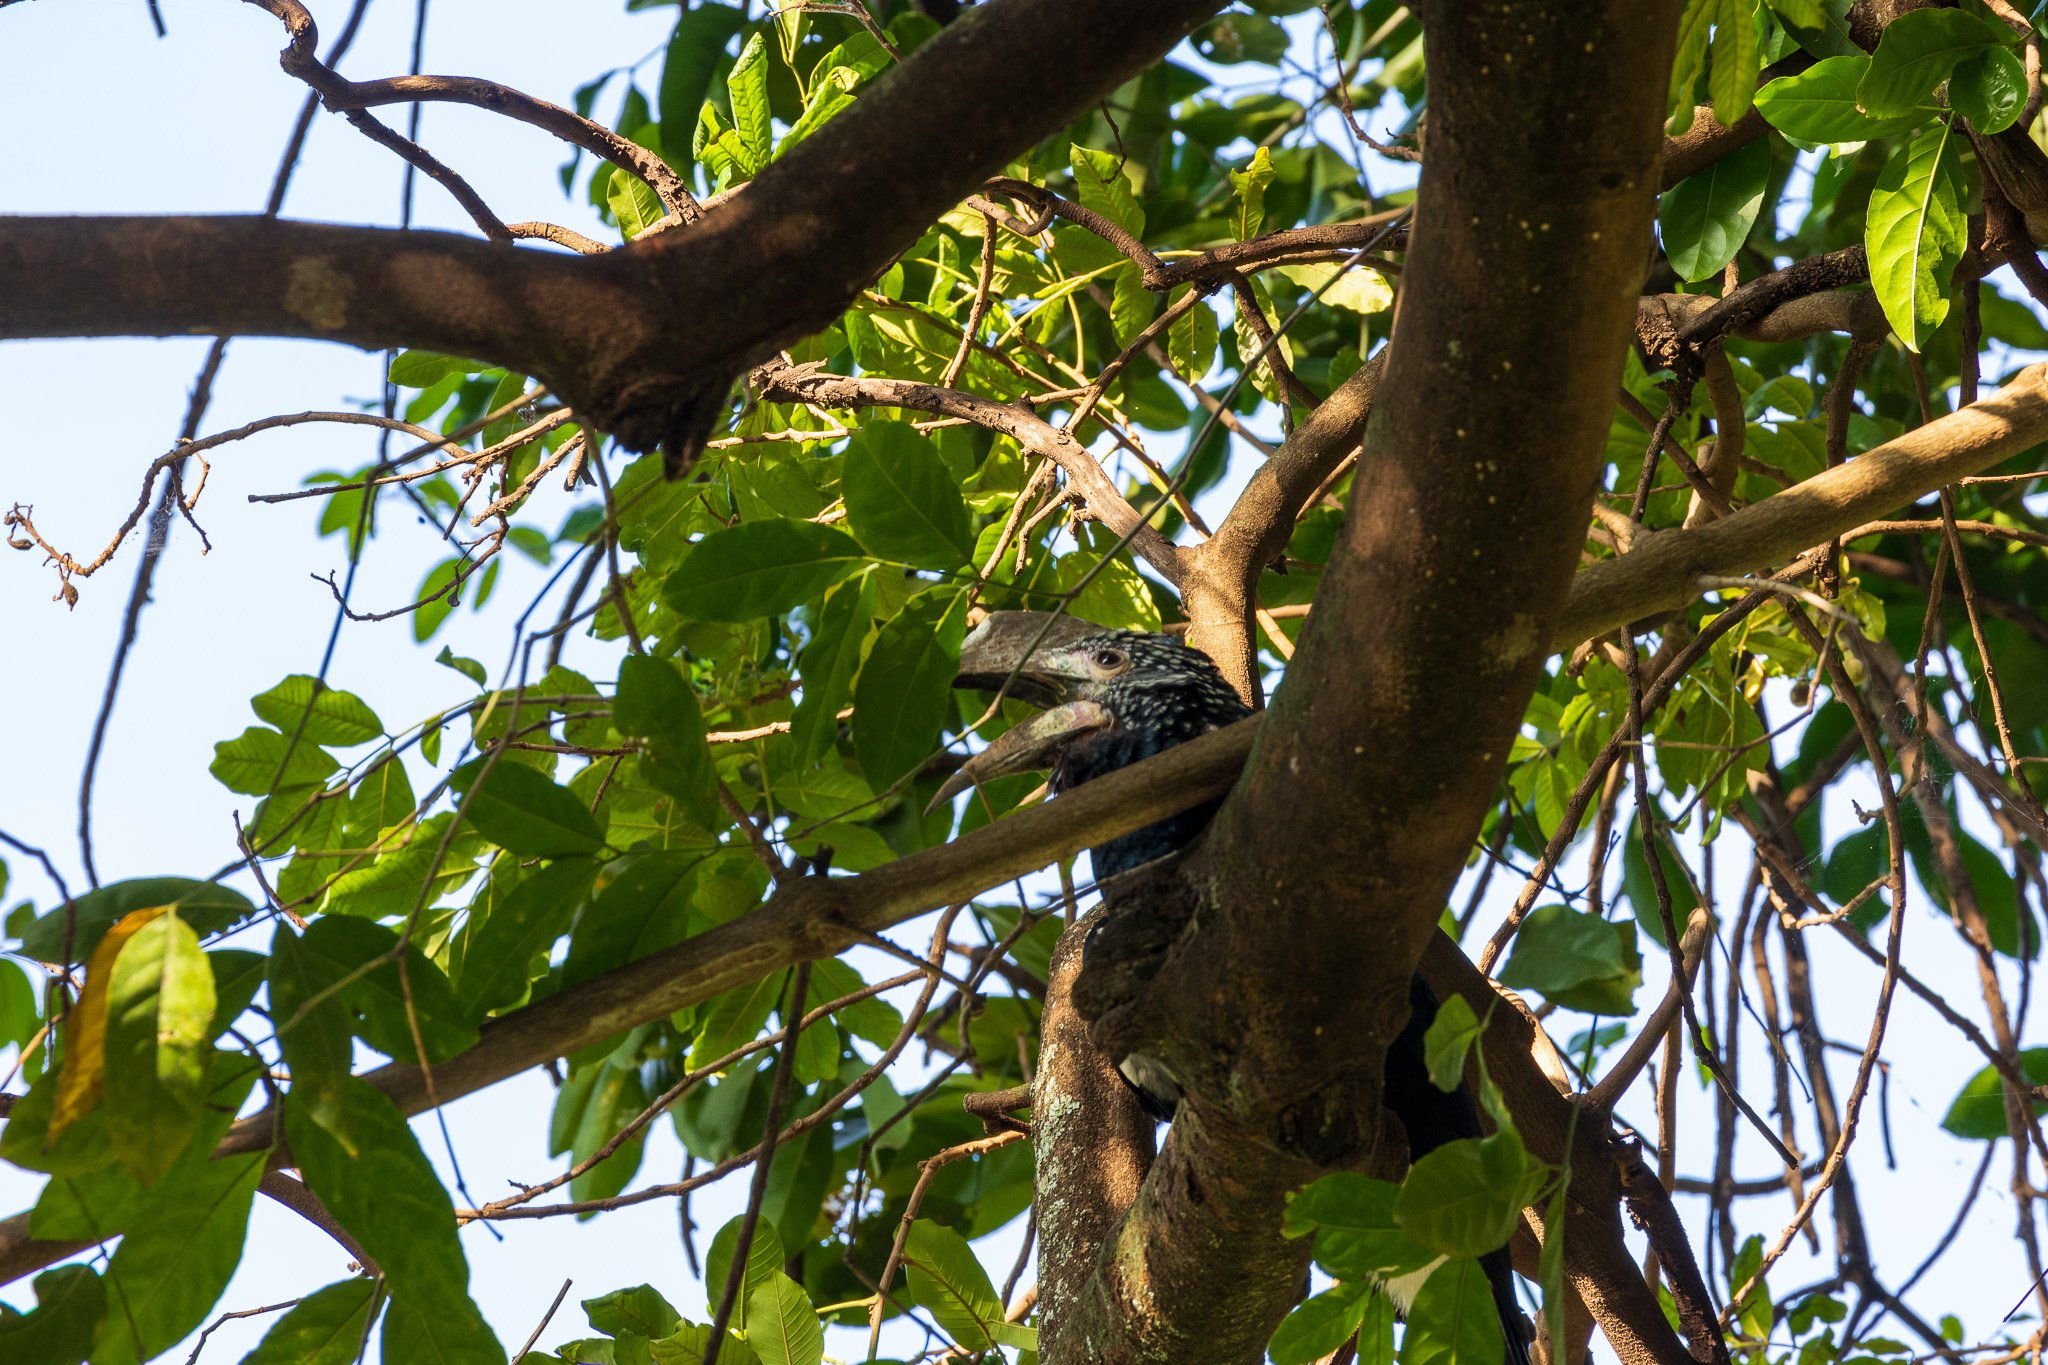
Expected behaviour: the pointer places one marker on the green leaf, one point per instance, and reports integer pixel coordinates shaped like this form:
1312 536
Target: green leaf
747 85
1736 60
827 667
424 369
1550 1271
177 1258
326 1327
1642 891
329 716
445 1329
158 1047
1131 304
1357 1238
694 51
1978 1110
1989 89
765 1259
641 1311
1230 38
906 685
468 668
1463 1198
260 761
436 597
759 568
1819 105
1100 183
1756 1313
1803 13
901 501
633 202
945 1277
735 1018
600 1111
1817 26
1250 184
518 809
498 950
1191 341
208 907
1249 345
1450 1036
782 1327
395 1014
70 1303
380 1187
1318 1326
657 705
1916 54
1694 24
1452 1321
643 908
1558 947
1915 228
830 94
1705 218
313 1026
19 1017
382 800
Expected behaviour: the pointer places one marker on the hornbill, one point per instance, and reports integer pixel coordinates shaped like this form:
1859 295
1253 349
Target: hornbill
1113 697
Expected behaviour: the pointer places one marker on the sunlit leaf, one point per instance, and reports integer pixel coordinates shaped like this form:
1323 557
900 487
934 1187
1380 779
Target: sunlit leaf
518 808
1705 218
1915 229
1916 54
759 568
905 687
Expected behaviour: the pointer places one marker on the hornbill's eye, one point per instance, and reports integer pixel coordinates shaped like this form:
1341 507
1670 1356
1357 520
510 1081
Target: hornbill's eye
1110 658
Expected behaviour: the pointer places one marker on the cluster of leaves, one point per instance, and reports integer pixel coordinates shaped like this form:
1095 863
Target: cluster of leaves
819 569
1843 101
795 611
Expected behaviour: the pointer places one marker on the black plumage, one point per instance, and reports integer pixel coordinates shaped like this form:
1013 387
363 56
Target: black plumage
1119 696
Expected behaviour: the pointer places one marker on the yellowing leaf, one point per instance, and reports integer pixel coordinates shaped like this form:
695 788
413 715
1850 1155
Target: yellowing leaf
1360 289
84 1077
1250 184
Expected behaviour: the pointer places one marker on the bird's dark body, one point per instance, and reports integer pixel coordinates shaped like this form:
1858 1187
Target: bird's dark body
1169 695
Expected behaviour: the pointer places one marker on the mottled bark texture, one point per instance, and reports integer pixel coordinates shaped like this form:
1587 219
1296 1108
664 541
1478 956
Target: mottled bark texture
1320 885
1093 1143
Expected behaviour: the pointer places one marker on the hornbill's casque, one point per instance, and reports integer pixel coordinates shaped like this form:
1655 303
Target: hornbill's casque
1113 697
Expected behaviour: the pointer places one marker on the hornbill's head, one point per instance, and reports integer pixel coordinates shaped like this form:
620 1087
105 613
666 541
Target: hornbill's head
1112 697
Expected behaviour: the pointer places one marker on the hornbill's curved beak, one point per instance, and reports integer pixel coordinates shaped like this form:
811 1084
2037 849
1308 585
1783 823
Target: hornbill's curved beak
1024 654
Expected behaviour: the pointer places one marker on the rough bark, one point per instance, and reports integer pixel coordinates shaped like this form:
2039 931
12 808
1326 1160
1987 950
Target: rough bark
1093 1143
1387 740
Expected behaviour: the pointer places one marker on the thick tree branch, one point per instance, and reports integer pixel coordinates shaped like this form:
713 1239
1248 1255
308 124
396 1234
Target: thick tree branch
1662 572
1276 1007
646 341
1222 573
1094 1143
